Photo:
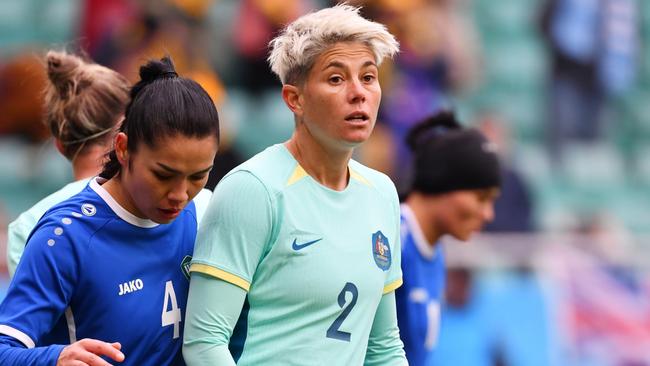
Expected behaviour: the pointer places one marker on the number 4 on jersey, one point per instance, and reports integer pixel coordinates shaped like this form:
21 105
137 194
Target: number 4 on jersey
172 316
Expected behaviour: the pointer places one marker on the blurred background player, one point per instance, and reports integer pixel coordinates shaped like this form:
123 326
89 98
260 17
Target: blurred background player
120 249
309 235
84 103
456 181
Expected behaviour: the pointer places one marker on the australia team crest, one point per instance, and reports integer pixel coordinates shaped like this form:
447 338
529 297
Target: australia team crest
381 250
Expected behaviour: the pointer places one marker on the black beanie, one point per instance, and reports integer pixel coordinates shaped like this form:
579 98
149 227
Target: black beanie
450 158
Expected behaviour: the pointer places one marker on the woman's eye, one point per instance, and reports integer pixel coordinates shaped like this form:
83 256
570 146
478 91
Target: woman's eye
162 176
197 178
336 79
368 78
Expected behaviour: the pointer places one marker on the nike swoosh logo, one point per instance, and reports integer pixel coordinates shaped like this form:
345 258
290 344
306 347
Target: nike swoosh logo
297 246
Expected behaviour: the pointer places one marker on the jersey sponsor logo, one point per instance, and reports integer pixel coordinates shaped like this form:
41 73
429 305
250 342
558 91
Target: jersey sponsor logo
131 286
185 266
88 209
381 250
297 246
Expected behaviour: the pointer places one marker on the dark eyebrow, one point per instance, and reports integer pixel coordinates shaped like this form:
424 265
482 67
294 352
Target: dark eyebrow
174 171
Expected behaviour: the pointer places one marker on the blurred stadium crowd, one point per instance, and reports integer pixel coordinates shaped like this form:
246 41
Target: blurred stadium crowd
562 86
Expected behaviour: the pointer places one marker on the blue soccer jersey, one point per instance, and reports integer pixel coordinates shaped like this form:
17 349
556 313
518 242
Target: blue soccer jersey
91 269
419 298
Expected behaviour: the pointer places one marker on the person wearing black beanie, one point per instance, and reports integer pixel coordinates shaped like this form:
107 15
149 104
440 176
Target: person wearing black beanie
456 181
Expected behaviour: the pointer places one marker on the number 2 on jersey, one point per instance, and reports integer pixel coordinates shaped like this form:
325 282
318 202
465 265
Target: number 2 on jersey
172 316
333 331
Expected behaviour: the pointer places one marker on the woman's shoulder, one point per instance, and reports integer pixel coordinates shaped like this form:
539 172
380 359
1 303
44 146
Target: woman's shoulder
28 219
78 213
270 168
57 197
372 177
64 226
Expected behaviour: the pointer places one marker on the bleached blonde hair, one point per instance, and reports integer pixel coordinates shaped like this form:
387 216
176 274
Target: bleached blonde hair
294 51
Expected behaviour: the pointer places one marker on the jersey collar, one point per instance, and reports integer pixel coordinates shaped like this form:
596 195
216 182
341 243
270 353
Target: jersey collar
426 249
121 212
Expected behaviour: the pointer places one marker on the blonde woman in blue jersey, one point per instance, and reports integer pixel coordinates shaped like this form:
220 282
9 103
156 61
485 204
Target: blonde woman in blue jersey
105 273
307 235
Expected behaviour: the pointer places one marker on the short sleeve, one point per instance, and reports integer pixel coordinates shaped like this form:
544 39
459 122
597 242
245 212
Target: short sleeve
235 230
394 275
43 284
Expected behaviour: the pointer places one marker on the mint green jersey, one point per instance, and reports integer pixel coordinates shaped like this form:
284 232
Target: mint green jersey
315 262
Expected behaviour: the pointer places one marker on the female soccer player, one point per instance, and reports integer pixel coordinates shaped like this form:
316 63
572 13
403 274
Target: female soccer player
457 179
84 103
309 235
111 263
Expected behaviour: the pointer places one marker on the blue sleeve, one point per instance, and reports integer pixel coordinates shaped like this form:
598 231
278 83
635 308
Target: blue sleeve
14 353
44 282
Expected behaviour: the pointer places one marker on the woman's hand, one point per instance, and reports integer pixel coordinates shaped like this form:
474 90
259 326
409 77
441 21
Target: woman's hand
86 352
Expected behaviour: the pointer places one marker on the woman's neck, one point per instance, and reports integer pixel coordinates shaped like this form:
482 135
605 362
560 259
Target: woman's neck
89 163
327 167
116 189
424 214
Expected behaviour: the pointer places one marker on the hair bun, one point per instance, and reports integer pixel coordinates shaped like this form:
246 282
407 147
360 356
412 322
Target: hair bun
157 69
152 71
435 125
62 70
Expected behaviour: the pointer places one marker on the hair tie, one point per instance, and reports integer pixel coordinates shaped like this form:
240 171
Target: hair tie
87 138
170 73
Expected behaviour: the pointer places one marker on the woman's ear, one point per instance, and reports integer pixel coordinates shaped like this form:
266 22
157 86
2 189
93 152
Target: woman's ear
121 151
59 146
293 98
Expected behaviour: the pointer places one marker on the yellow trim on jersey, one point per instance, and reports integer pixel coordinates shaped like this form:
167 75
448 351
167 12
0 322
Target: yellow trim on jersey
392 286
297 175
300 173
359 177
221 274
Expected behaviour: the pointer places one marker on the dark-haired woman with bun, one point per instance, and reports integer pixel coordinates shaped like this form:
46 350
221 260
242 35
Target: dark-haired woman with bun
456 181
104 274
